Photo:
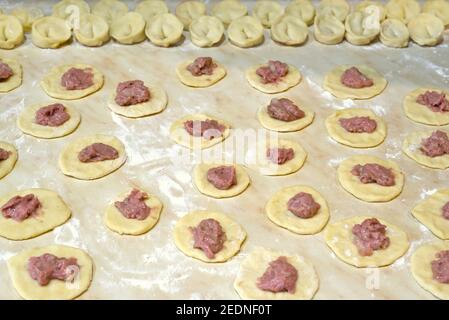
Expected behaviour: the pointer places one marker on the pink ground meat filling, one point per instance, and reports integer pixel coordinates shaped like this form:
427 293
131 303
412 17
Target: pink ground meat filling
97 152
355 79
374 173
48 267
440 267
272 72
280 276
209 236
222 177
208 129
4 154
370 235
445 210
134 206
280 155
20 208
202 66
132 92
303 205
358 124
436 145
435 101
284 110
77 79
52 115
5 71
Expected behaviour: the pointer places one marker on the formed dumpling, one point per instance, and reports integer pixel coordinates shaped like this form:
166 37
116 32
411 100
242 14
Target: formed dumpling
50 32
206 31
367 6
27 16
11 32
361 28
394 33
65 9
110 9
404 10
165 30
246 32
188 11
439 8
426 29
93 30
228 10
129 29
150 8
267 11
339 8
303 9
289 30
328 29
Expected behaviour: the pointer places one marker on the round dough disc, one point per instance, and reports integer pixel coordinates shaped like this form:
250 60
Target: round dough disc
15 80
70 165
289 30
254 266
339 238
246 32
421 113
370 192
11 32
394 33
411 147
206 31
202 81
328 29
52 213
235 235
291 79
93 30
50 32
164 30
7 165
56 290
128 29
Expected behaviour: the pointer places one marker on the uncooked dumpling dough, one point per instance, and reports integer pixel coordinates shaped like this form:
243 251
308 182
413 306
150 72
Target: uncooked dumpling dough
404 10
430 213
151 8
27 16
267 11
411 148
333 84
235 235
110 10
426 29
289 30
164 30
356 139
394 33
65 9
302 9
291 79
11 32
361 28
7 165
51 83
255 265
439 8
421 113
129 28
421 267
93 30
339 238
277 211
201 81
70 165
229 10
370 192
50 32
15 80
328 29
246 32
338 8
206 31
56 290
182 137
207 188
27 123
367 6
117 222
188 11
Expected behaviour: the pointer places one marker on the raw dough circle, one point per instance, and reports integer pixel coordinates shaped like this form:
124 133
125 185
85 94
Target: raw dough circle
129 28
356 140
411 148
206 31
421 268
339 238
151 8
429 212
421 113
332 83
302 9
110 10
279 214
439 8
208 189
394 33
235 235
165 30
157 103
426 29
365 5
404 10
93 31
56 290
291 79
338 8
27 16
182 137
52 213
328 29
50 32
199 81
254 266
70 165
370 192
289 30
15 80
51 83
188 11
227 11
117 222
245 32
26 123
64 9
7 165
267 11
11 32
361 28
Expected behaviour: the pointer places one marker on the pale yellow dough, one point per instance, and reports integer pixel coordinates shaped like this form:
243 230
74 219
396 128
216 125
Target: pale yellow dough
411 147
245 32
356 140
420 265
291 79
303 9
151 8
394 33
164 30
26 122
187 11
429 212
7 165
339 238
157 103
426 29
93 31
370 192
328 29
207 188
235 235
289 30
206 31
51 83
361 28
70 165
110 10
332 83
117 222
15 80
421 113
182 137
367 6
202 81
255 265
267 11
52 213
64 9
338 8
129 28
228 10
11 32
30 289
27 16
50 32
439 8
404 10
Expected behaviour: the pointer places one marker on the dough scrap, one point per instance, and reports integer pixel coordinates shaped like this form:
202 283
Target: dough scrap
366 4
267 11
421 113
227 11
93 31
245 32
165 30
403 10
151 8
27 16
303 9
50 32
289 30
328 29
361 28
110 10
7 165
426 29
202 81
439 8
187 11
129 28
64 9
411 147
15 80
291 79
338 8
206 31
11 32
394 33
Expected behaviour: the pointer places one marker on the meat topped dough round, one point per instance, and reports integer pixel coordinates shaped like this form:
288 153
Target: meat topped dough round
184 239
246 32
110 10
394 33
27 16
357 137
338 8
64 9
303 9
28 124
228 10
255 265
93 30
206 31
328 29
29 289
426 29
361 28
164 30
200 81
289 30
367 6
11 32
423 114
370 192
404 10
8 164
52 212
412 148
333 84
70 164
291 79
187 11
340 239
267 11
151 8
50 32
439 8
129 28
15 80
